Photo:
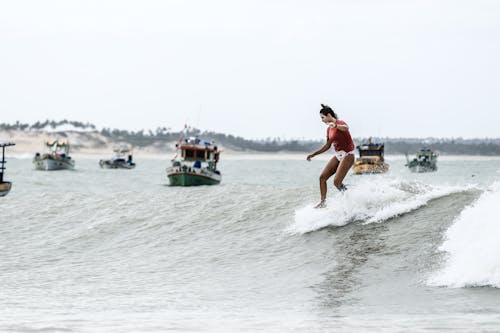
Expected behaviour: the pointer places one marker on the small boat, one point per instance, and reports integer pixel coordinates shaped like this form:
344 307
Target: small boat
197 164
118 161
4 185
371 159
425 161
56 157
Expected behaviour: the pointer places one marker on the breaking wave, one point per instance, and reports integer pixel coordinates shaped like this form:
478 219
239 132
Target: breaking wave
472 245
369 202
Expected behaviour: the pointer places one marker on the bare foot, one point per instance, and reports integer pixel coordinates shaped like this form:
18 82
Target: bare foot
321 204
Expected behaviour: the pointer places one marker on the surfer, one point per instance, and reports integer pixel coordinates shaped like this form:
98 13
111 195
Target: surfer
337 134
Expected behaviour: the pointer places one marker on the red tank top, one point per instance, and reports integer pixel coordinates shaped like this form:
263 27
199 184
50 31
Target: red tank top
341 139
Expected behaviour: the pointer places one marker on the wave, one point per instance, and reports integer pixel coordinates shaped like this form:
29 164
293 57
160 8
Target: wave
472 245
370 201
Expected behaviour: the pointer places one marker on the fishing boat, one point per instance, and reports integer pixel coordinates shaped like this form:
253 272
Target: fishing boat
122 159
371 159
425 161
196 164
56 157
4 185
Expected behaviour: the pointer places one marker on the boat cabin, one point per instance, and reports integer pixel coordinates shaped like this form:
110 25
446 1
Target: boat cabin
193 149
121 152
373 152
426 155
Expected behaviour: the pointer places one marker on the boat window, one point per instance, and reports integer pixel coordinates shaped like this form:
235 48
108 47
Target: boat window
370 153
189 153
200 154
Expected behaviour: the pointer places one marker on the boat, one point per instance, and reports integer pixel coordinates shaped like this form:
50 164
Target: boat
56 157
196 165
371 159
122 159
425 161
4 185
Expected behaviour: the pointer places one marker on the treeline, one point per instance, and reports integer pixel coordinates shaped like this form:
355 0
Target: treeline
446 146
47 124
147 138
162 135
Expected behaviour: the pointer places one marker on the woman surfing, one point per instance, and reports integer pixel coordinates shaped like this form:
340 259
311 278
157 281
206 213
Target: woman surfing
337 134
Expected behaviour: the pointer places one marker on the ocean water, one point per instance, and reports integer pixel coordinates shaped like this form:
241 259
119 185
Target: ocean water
95 250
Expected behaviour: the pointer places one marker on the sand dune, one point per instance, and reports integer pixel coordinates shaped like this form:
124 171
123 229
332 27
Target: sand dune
82 143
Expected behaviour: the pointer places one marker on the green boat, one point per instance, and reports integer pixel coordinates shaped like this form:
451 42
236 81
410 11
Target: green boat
425 161
4 185
196 165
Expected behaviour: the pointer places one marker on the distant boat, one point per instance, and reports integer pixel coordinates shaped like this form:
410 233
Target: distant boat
425 161
371 159
4 185
197 164
56 157
118 161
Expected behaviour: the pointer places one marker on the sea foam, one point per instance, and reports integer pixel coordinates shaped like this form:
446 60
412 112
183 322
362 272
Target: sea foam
472 245
370 201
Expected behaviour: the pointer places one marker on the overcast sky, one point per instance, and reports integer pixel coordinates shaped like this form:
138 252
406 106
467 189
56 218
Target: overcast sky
255 68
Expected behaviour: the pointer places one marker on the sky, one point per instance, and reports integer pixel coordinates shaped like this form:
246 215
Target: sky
257 69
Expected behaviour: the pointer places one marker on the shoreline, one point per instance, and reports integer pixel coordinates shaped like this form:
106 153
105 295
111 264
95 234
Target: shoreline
234 155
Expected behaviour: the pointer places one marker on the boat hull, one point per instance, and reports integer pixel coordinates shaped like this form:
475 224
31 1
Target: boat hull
5 188
115 165
47 163
361 169
182 178
422 168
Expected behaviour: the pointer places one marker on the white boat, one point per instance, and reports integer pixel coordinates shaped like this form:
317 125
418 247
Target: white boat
56 157
122 159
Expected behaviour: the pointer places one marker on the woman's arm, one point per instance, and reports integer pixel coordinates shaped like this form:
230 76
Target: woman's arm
327 146
342 127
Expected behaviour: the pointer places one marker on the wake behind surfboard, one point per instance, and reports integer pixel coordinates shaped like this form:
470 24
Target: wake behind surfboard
370 202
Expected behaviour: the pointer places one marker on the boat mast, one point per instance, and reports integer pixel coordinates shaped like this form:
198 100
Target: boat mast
2 163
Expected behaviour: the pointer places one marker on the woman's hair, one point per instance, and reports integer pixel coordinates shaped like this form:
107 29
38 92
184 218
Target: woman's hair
325 110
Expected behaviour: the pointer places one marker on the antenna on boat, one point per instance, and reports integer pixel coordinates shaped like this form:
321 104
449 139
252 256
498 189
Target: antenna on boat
200 110
182 135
